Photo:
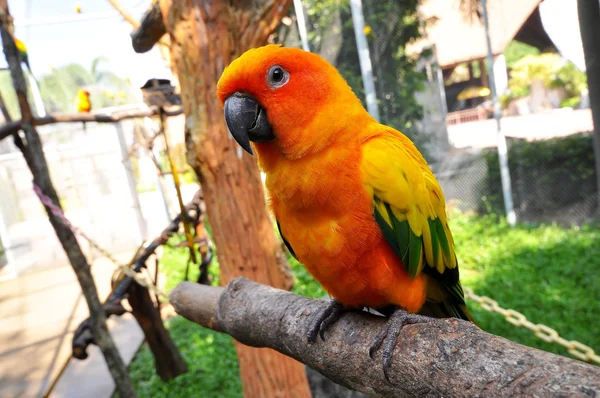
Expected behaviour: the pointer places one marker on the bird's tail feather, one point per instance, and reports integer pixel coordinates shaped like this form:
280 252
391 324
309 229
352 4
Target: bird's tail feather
446 309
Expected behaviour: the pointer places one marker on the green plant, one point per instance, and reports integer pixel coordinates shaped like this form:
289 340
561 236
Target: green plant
60 86
516 50
573 81
552 70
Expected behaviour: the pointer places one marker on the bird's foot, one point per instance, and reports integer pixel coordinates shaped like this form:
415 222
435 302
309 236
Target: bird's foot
390 332
324 321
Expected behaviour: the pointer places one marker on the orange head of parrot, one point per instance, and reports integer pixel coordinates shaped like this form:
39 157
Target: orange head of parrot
276 94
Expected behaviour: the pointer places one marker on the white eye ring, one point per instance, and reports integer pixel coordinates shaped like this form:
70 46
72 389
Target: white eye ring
277 77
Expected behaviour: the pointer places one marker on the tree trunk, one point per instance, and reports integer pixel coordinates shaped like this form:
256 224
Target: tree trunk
167 359
589 25
205 37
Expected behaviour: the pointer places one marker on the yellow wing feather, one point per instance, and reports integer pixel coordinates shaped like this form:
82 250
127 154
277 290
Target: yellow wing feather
399 177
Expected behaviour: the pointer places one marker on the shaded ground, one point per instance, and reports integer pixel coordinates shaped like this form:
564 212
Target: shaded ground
39 312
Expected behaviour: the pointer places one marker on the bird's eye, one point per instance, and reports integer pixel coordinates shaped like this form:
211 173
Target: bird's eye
277 76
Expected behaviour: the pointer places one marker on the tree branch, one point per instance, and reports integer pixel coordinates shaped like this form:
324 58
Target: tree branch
442 358
9 128
150 30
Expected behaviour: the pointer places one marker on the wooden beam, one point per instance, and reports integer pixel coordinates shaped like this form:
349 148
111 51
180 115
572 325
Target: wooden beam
12 127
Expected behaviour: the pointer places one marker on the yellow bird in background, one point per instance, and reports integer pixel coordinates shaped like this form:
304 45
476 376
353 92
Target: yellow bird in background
83 101
23 56
84 105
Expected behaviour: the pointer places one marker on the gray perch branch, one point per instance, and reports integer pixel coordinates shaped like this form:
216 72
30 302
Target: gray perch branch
9 128
447 358
151 29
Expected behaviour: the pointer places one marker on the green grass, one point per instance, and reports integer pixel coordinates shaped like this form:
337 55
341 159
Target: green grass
549 273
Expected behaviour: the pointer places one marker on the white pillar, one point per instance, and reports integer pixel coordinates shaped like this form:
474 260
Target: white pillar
301 24
364 57
131 182
511 216
500 74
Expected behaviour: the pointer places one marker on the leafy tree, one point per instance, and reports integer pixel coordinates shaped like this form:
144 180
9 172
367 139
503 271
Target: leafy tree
390 25
553 71
516 51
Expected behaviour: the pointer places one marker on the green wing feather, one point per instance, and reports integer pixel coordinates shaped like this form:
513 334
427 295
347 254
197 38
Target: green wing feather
409 208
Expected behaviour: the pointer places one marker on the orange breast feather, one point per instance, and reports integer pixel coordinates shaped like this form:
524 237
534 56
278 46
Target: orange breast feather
326 215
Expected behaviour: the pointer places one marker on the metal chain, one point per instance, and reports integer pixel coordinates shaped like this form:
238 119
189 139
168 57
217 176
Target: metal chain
575 348
126 269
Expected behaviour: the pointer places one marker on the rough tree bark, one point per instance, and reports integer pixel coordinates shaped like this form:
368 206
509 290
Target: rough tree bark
444 358
168 361
32 150
589 25
205 37
149 31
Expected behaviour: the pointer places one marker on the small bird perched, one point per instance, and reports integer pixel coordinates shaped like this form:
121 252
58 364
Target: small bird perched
354 200
83 101
84 105
23 57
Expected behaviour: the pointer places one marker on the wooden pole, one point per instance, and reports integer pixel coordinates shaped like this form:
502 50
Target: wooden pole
205 37
33 152
167 359
9 128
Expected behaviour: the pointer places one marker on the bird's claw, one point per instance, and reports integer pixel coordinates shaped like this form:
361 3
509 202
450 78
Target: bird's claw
324 321
390 332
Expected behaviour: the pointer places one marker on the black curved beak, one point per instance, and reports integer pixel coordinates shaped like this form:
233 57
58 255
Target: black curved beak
247 120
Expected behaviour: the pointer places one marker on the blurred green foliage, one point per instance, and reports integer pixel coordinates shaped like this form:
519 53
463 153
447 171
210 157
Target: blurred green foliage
515 51
59 88
552 70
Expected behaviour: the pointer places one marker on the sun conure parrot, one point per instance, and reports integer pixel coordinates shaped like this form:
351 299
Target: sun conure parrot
83 103
354 200
23 57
